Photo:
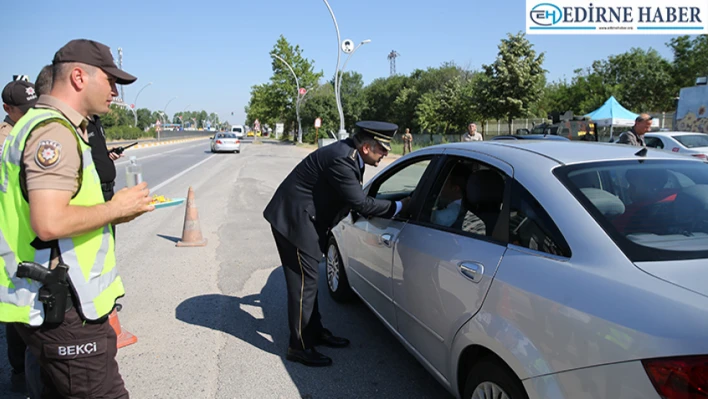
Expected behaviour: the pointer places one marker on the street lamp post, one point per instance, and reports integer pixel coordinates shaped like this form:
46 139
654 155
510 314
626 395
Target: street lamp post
164 111
297 98
135 103
339 85
182 116
337 81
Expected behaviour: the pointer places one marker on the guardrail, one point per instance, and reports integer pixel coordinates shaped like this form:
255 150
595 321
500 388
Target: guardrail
170 135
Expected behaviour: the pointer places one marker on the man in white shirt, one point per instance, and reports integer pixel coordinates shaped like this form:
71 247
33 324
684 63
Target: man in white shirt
472 134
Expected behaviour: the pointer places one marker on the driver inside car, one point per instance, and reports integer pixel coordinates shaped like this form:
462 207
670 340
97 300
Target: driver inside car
449 204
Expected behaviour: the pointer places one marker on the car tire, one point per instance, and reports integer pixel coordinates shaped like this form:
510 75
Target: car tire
490 379
337 282
238 151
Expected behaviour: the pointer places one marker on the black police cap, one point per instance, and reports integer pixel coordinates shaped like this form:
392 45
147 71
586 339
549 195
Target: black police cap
382 132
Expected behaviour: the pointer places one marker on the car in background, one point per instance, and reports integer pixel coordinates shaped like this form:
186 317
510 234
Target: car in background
538 269
238 130
687 143
530 137
225 142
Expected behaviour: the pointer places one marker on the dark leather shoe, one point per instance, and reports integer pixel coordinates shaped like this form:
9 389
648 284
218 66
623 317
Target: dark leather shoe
308 357
327 339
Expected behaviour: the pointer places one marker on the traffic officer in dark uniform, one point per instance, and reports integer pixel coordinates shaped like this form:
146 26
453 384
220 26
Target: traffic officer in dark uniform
312 199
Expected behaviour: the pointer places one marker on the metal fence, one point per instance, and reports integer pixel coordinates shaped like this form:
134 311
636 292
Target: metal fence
501 127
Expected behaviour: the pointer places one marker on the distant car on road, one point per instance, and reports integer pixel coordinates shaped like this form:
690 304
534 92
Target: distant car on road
688 143
225 142
540 269
238 130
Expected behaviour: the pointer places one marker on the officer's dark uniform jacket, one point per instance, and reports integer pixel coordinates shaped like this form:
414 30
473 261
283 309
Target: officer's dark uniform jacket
319 193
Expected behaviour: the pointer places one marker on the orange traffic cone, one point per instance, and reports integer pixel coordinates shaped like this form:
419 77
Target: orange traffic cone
124 337
191 232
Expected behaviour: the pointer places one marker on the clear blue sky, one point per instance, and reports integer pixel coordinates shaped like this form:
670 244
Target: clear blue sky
209 53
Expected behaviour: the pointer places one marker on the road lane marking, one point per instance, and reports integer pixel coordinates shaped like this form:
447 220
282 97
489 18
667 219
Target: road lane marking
154 155
180 174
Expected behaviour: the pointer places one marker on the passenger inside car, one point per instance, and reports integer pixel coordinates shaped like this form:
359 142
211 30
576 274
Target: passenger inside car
651 201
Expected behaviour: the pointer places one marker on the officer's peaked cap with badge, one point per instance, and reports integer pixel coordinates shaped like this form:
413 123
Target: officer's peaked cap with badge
382 132
95 54
20 94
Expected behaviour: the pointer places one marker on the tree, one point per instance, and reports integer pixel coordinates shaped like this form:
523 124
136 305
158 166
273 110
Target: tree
319 104
690 59
353 99
514 80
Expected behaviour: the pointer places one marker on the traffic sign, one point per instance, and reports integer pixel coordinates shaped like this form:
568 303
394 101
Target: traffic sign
318 123
348 46
132 106
303 91
158 123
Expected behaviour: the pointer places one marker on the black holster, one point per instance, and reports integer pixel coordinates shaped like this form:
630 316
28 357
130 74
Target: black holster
54 293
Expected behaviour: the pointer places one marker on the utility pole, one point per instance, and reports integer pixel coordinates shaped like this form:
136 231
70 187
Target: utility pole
392 59
120 66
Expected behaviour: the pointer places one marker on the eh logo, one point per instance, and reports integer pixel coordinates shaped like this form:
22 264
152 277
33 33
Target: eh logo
546 14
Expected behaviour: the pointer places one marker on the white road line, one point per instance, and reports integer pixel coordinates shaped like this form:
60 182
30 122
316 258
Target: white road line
154 155
173 178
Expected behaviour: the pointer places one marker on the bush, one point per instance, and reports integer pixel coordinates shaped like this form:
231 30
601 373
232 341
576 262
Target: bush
117 133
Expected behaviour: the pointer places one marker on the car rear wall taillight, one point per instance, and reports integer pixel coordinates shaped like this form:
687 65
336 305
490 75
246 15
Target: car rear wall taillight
679 377
701 156
218 141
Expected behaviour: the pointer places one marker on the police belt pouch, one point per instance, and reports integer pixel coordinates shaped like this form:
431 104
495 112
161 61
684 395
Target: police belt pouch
54 293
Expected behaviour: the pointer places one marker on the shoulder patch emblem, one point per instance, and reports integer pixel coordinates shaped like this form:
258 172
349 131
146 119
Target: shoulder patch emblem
353 155
48 154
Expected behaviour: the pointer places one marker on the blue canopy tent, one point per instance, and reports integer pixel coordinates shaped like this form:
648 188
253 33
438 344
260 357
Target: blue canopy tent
612 113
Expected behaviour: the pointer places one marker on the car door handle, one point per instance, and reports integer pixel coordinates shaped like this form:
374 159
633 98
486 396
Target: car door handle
472 270
386 239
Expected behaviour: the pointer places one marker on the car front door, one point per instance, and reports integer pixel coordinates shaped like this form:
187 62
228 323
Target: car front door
371 240
445 258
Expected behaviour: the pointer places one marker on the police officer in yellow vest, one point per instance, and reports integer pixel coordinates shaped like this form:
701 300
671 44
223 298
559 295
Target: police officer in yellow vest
58 275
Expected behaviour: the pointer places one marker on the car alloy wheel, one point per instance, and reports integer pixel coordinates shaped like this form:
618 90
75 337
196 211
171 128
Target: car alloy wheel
489 390
333 265
337 282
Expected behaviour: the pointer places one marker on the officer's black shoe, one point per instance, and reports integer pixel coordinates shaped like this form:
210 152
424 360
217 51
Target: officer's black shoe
308 357
327 339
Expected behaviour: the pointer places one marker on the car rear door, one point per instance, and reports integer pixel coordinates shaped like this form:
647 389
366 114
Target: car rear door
441 273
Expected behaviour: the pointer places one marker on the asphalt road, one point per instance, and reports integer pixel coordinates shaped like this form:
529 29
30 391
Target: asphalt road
211 321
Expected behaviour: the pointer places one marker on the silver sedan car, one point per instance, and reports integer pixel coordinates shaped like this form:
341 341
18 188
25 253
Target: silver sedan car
539 269
223 142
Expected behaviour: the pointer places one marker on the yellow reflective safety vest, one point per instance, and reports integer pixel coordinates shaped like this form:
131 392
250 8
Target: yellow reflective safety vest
93 275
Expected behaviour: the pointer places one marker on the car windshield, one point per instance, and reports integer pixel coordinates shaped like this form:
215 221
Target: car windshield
226 136
692 140
236 130
653 209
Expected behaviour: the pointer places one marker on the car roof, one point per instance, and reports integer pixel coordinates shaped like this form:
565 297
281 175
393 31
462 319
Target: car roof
530 137
671 133
563 152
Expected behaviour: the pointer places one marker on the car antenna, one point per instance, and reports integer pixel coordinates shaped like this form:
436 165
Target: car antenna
642 152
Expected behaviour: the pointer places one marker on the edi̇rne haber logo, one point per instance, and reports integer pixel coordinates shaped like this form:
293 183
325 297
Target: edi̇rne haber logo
665 17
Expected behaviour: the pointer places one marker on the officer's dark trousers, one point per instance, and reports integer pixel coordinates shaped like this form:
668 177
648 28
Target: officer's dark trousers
15 348
301 272
77 359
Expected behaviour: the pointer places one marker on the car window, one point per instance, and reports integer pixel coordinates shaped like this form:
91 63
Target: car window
654 142
654 210
692 140
467 198
531 227
402 182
